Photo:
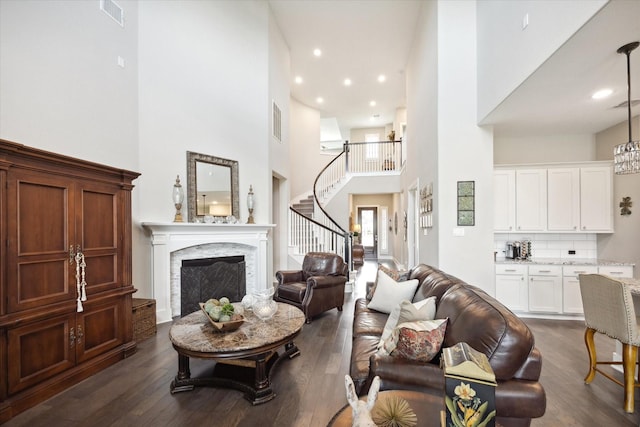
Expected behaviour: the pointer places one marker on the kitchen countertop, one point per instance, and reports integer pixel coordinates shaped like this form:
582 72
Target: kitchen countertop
560 261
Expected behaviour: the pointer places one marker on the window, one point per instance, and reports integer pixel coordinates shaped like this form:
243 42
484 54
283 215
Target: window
372 149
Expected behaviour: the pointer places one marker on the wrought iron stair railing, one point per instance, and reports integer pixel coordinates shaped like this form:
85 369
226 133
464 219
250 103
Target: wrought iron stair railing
322 232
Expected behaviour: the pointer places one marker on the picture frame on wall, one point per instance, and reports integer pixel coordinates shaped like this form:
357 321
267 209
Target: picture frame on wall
466 203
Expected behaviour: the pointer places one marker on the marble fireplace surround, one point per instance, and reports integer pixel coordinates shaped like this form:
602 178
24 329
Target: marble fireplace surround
173 242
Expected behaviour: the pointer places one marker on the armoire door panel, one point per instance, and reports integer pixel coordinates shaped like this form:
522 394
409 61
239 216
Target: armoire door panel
101 273
98 216
40 232
40 350
99 330
41 282
42 215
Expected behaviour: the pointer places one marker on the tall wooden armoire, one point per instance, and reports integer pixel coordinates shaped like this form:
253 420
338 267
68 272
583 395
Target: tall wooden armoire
65 280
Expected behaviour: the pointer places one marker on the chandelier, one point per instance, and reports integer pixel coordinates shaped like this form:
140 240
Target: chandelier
626 156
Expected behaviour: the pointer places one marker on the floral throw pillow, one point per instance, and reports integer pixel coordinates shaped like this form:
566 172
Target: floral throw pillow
420 341
408 312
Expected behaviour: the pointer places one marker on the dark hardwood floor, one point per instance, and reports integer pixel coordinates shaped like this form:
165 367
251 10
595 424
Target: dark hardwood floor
135 392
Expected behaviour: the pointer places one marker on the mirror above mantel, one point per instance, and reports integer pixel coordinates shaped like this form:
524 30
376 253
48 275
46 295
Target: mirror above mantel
212 187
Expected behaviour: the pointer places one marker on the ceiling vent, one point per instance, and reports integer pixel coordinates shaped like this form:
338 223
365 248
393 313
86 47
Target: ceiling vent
277 122
112 9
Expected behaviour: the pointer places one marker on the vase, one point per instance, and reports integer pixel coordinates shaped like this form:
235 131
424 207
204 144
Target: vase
263 304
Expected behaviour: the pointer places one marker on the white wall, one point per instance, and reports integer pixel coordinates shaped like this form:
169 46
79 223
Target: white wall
305 158
61 88
279 79
444 142
465 150
211 97
544 149
358 135
421 137
507 54
623 244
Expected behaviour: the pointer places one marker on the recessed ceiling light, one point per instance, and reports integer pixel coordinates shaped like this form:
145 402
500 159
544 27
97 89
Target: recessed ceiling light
372 103
602 93
319 100
298 80
347 82
382 78
317 52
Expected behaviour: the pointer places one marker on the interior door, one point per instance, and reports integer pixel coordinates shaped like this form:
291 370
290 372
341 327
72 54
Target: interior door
368 220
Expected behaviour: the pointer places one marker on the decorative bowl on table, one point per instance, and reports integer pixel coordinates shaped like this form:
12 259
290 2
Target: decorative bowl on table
228 326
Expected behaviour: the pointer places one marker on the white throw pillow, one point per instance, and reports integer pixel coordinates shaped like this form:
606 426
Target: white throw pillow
406 312
390 293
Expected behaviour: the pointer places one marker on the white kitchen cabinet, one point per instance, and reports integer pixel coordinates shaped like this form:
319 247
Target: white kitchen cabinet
563 199
545 288
596 199
616 270
504 200
560 198
571 297
511 286
531 200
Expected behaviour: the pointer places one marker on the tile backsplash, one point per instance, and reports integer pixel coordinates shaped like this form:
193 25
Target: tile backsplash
549 245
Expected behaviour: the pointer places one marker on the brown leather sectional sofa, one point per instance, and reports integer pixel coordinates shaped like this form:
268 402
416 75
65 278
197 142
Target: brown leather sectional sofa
475 318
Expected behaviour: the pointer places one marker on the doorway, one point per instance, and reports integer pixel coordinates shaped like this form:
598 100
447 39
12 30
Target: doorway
368 220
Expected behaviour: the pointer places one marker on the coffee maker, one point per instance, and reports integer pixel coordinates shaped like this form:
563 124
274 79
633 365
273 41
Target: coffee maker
512 250
518 250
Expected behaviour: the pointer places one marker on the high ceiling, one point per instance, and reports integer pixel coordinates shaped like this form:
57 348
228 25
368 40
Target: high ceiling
556 99
362 39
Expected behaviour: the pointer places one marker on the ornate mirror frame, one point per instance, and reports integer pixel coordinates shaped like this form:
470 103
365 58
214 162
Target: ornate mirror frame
192 160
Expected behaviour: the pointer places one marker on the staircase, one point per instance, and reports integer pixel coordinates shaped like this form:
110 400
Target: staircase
305 206
310 227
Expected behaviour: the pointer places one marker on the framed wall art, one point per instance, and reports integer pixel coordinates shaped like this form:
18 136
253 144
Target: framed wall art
466 203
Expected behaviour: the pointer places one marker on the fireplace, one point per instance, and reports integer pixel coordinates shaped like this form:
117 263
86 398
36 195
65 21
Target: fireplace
204 278
173 242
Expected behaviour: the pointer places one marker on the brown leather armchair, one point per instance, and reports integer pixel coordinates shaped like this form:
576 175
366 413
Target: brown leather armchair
318 287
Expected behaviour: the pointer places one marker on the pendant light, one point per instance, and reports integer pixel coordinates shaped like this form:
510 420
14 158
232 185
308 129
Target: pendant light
626 156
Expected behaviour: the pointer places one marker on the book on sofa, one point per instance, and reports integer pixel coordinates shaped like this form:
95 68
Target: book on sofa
469 387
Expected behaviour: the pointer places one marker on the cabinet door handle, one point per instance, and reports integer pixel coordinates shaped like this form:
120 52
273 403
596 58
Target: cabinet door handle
579 272
545 271
510 270
80 334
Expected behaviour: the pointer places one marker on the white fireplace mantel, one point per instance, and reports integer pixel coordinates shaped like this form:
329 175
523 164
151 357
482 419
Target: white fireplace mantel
172 236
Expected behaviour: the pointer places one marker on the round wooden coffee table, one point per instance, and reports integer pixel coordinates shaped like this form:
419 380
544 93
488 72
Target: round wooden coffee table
428 408
244 358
